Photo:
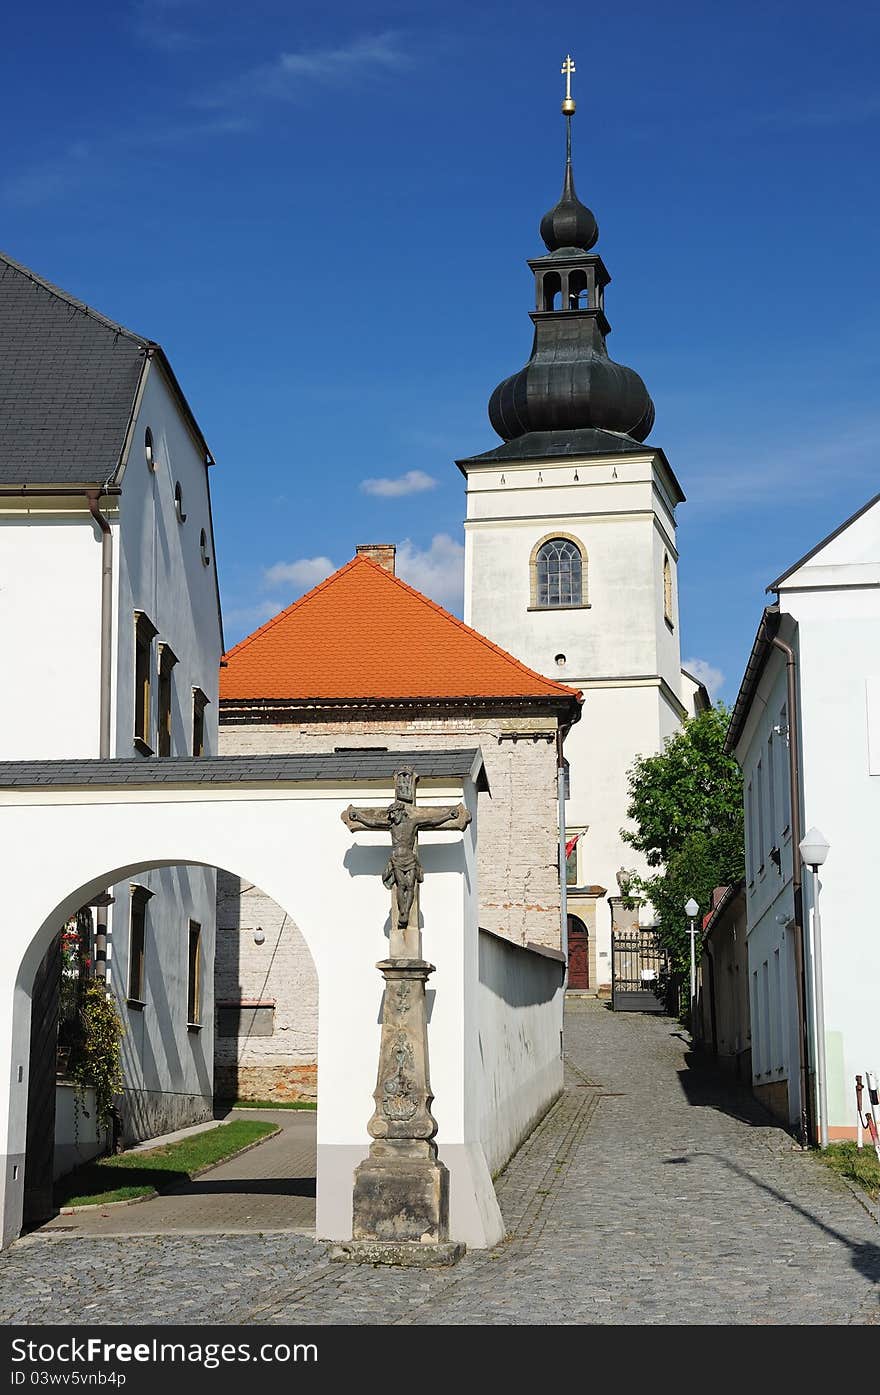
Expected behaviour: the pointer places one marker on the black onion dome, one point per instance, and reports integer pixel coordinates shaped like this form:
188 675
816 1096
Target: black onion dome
570 224
570 383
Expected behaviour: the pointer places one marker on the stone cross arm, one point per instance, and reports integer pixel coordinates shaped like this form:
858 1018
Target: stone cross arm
450 816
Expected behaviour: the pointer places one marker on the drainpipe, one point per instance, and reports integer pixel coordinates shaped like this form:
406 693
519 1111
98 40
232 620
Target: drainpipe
807 1112
93 496
563 885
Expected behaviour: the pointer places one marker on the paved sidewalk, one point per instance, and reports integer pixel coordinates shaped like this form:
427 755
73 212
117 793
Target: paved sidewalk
649 1194
270 1187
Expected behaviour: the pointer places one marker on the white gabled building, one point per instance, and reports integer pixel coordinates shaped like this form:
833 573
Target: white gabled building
827 613
109 612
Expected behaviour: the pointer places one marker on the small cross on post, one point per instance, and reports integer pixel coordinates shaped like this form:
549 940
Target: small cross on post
568 104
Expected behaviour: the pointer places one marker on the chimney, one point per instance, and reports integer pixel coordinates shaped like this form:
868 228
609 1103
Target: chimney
383 553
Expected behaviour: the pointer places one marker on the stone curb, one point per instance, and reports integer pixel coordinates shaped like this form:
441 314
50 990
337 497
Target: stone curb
148 1196
864 1200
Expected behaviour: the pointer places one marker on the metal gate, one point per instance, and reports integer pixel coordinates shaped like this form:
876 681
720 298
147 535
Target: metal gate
639 972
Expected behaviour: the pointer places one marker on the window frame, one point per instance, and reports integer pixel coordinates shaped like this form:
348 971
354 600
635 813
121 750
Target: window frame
144 634
194 976
139 900
668 610
200 701
165 664
557 537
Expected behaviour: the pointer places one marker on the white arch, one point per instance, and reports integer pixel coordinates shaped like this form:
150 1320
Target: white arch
61 846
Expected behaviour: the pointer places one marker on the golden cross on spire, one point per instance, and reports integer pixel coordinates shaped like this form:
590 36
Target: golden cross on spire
567 69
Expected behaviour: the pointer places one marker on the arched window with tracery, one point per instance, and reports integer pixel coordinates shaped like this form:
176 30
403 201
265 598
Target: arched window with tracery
559 574
667 590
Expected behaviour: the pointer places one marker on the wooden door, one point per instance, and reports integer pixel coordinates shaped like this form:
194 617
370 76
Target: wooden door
578 953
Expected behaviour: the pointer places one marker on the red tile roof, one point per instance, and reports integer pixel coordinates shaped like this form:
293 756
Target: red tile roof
363 635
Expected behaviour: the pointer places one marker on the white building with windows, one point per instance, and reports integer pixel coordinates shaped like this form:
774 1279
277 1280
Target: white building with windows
571 561
109 612
827 616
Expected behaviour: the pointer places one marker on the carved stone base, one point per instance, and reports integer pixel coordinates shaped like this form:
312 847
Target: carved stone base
401 1193
407 1253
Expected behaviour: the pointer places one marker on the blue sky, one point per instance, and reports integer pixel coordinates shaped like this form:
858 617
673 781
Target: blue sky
323 215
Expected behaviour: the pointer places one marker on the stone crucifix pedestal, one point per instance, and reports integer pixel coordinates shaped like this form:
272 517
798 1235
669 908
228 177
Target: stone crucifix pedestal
401 1190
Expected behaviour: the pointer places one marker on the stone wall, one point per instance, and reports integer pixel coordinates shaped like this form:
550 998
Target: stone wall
518 881
279 972
517 847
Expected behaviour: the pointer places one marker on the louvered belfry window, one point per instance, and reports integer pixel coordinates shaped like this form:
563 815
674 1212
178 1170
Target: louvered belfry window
560 574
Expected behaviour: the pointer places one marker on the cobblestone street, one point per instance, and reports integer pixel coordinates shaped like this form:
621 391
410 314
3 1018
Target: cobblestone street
649 1194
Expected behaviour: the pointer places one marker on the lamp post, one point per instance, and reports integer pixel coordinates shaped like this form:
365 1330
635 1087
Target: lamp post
814 850
690 909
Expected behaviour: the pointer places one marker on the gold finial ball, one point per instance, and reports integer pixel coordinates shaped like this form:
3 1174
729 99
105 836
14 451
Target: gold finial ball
568 106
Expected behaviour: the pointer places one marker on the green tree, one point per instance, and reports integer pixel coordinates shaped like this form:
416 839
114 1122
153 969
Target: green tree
686 803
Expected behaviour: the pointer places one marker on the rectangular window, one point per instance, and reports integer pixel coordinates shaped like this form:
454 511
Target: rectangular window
200 702
571 867
784 777
137 938
759 816
167 660
194 976
144 633
750 834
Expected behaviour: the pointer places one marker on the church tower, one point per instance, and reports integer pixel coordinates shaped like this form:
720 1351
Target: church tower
571 560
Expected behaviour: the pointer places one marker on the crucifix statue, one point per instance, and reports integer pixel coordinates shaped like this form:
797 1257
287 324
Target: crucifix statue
403 872
400 1198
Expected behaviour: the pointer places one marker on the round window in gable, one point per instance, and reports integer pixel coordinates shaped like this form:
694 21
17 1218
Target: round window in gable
178 503
203 548
148 449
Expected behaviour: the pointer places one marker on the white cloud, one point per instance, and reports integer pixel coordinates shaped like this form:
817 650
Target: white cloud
413 482
438 570
305 573
330 64
287 75
706 673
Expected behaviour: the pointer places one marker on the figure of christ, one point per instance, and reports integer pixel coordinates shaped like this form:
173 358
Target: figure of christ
403 871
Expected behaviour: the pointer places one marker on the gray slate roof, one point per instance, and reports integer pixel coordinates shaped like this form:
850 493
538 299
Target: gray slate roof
341 766
68 378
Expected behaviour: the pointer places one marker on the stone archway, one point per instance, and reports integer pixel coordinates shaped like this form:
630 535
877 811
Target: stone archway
69 829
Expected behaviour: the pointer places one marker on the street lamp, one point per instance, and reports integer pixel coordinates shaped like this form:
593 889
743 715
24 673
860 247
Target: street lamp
814 850
691 909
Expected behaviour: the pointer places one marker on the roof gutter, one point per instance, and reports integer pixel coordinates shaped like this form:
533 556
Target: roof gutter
54 491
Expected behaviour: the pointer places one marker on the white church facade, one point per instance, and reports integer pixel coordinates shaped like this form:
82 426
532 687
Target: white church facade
571 562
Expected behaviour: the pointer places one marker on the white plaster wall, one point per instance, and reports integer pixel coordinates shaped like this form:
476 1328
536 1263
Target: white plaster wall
50 620
839 642
620 510
293 844
78 1135
159 570
618 723
521 998
769 896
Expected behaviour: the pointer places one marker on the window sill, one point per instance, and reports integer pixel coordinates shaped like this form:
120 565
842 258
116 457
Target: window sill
140 745
669 625
194 1026
579 605
137 1003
